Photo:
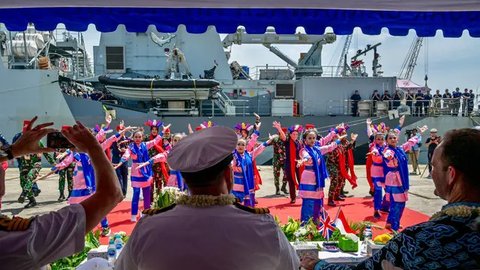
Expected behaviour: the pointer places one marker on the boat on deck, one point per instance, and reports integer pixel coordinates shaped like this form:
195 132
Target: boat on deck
135 86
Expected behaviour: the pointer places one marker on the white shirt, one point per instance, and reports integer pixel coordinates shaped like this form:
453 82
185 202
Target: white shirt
50 237
218 237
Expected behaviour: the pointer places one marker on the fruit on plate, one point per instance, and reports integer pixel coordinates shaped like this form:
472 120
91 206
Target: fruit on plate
382 239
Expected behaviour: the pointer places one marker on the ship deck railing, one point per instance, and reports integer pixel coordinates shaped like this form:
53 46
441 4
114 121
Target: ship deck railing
435 107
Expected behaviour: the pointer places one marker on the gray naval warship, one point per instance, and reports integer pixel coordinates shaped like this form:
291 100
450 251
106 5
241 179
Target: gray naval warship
182 78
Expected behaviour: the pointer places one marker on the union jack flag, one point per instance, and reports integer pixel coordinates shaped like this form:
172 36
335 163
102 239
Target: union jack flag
325 226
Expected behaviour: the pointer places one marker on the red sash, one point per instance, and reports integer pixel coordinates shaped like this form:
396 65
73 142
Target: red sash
256 176
343 171
163 167
293 161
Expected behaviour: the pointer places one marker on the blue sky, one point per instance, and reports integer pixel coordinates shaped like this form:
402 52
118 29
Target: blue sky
452 62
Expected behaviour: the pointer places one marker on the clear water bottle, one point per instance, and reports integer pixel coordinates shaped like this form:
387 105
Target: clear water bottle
111 252
118 244
367 235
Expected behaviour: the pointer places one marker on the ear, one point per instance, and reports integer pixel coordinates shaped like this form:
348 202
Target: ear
452 174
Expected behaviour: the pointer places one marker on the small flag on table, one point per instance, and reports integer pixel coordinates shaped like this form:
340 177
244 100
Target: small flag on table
341 223
325 226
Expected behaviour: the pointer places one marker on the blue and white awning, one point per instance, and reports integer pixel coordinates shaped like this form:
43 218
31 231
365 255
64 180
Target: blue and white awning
424 16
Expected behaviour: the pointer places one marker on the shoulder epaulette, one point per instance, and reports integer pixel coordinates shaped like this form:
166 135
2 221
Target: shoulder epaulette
14 224
154 211
252 209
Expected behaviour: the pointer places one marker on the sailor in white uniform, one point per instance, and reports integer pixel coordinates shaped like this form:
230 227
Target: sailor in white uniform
207 229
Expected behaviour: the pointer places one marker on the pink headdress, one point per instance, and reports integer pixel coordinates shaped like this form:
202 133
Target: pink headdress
297 128
207 124
380 128
243 126
153 123
341 129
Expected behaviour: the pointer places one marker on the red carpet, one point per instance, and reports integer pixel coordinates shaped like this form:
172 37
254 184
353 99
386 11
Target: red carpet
355 209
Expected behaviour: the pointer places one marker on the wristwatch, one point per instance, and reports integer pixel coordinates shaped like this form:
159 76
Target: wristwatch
6 151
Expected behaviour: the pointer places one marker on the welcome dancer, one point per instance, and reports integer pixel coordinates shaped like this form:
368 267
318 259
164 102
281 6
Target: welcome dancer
292 154
142 178
396 176
313 177
378 134
243 171
243 129
159 170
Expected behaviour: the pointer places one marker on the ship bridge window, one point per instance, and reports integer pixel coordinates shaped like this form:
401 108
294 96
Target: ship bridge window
114 58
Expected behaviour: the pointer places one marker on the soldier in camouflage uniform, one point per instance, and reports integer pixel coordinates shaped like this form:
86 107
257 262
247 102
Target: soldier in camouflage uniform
337 180
65 175
279 164
29 167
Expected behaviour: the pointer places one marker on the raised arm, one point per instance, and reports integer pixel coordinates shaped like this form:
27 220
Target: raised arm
253 140
369 127
329 147
108 142
65 162
156 140
411 142
259 149
327 139
278 127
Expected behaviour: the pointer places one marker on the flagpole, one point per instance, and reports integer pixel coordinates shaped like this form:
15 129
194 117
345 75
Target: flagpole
328 235
338 213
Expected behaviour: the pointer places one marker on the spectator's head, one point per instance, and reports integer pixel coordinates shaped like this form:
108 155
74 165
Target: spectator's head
204 159
438 91
471 91
375 92
455 165
466 90
419 91
457 89
433 133
446 90
356 92
386 91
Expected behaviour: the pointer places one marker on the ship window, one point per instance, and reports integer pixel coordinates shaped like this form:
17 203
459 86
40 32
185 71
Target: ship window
284 91
114 58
